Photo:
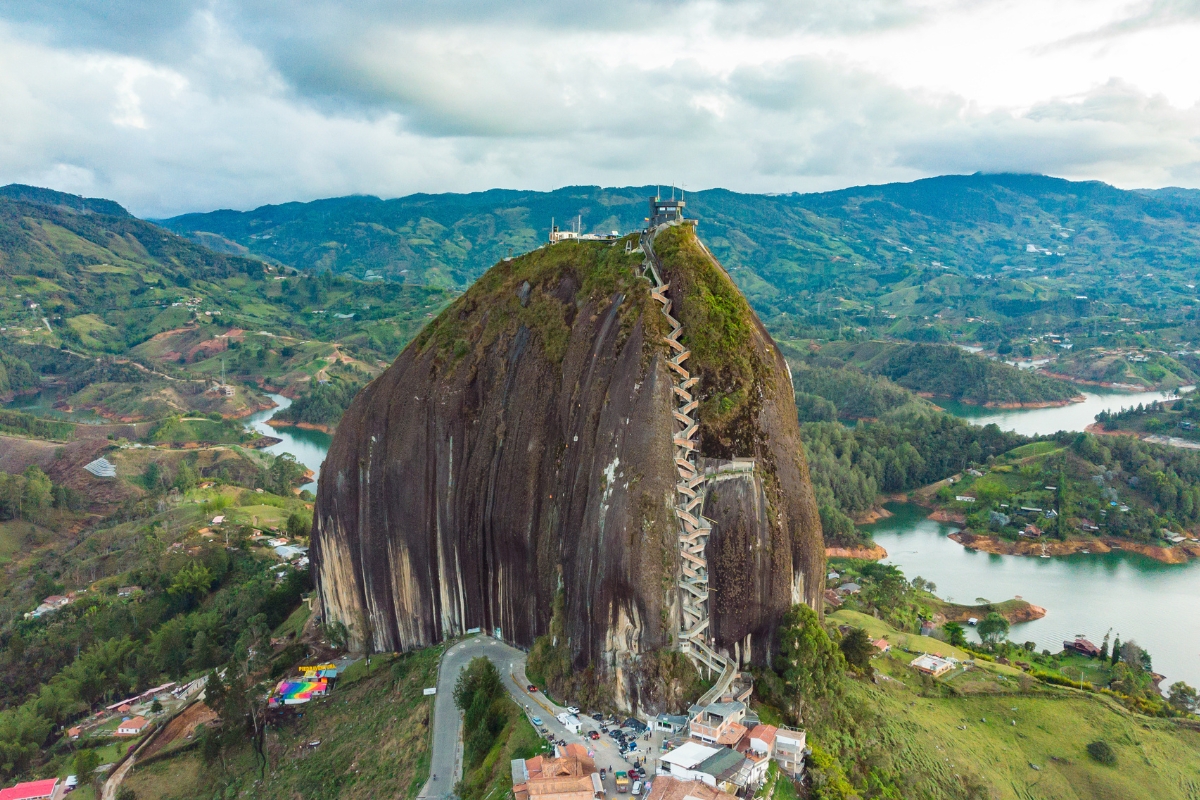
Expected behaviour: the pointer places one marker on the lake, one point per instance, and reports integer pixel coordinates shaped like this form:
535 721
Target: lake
308 446
1045 421
1132 595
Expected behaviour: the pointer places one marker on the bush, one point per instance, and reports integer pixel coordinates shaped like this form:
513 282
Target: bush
1101 752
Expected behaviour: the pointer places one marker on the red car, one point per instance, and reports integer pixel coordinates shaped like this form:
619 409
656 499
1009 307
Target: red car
531 688
594 735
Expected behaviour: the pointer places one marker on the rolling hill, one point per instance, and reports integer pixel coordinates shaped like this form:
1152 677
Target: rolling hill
1004 247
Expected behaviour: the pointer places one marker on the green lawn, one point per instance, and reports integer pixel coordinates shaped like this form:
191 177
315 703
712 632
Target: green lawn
911 641
1033 449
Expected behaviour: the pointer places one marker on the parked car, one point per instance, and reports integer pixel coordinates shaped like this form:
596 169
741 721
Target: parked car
572 710
537 721
598 717
632 746
637 788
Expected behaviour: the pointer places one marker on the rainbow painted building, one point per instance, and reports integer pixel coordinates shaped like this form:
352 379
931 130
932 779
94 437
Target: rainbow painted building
295 692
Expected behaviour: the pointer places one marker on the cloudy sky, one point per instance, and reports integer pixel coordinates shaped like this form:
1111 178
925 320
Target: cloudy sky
174 105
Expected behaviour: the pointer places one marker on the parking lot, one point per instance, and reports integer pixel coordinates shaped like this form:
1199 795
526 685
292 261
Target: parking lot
605 750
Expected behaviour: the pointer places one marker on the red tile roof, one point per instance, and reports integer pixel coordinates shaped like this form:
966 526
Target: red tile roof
30 790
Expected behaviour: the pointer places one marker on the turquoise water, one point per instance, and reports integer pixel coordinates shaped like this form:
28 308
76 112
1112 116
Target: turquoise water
1156 604
41 404
1044 421
309 447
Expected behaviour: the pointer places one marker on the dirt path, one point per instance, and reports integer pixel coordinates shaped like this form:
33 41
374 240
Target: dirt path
109 792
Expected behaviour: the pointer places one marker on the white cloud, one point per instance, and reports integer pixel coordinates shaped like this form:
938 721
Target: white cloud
195 106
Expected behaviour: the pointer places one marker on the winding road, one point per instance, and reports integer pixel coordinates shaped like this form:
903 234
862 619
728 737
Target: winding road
446 763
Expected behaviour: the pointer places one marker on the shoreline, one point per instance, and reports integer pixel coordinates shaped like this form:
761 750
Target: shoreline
861 553
1180 554
1079 398
308 426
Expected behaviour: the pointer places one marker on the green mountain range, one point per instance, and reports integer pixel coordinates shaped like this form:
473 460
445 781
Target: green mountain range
1000 247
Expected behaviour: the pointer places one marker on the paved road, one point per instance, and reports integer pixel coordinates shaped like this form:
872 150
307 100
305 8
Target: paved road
446 763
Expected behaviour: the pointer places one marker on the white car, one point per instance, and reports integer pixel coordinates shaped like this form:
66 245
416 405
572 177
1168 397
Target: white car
572 710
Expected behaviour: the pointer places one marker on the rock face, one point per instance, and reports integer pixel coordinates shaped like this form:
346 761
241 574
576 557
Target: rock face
520 448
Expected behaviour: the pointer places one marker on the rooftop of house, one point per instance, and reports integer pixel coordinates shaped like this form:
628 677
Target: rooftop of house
689 755
732 735
30 790
721 764
667 788
764 733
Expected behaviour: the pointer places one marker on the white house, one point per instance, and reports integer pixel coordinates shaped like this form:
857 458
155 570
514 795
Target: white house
789 751
682 762
570 722
132 727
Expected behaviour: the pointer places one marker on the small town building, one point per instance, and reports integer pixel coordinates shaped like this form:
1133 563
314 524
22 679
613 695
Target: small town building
570 722
665 211
882 645
789 751
715 720
669 723
128 591
932 665
132 727
1083 647
572 776
667 788
31 790
849 588
682 762
218 520
1031 531
762 739
74 733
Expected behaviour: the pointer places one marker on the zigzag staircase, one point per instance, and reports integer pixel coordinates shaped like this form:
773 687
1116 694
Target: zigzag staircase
694 529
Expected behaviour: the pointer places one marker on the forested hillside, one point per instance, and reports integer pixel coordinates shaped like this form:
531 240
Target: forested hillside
994 247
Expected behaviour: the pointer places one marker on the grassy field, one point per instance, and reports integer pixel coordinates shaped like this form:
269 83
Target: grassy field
994 732
911 642
1026 747
374 743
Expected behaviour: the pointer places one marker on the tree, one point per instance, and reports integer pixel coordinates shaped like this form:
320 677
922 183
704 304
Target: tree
336 634
299 525
152 476
38 494
809 662
1184 698
1102 752
1135 657
480 694
858 648
185 477
956 635
993 628
192 582
85 763
1116 651
126 793
156 707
